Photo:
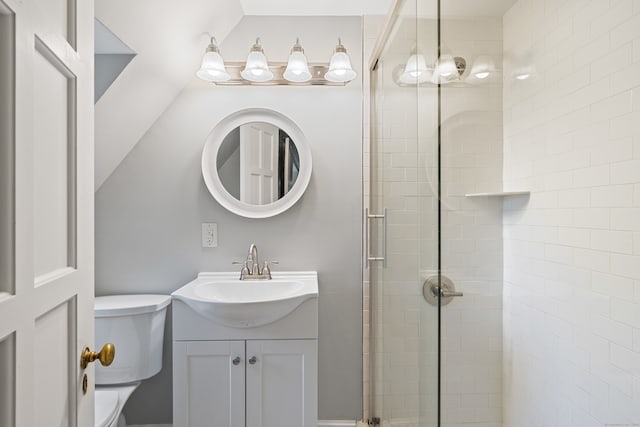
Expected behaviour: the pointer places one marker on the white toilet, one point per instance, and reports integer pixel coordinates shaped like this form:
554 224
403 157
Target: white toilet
134 324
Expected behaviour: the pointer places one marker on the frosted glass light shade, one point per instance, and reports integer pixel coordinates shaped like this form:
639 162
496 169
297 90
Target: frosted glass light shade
297 68
212 68
256 68
340 70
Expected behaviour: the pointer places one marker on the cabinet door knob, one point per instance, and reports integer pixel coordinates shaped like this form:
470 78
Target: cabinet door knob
253 360
236 361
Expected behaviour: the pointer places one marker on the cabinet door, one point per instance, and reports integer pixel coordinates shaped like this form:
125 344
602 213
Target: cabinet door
282 383
208 384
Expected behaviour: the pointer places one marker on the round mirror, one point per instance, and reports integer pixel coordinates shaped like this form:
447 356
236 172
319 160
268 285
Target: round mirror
256 163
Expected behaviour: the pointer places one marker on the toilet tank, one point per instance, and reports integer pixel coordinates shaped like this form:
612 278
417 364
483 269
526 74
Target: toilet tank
134 324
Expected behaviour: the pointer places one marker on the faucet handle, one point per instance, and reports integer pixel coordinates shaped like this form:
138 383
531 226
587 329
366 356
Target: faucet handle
244 272
266 269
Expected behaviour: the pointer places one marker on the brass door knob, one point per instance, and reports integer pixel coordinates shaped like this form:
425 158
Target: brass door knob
106 355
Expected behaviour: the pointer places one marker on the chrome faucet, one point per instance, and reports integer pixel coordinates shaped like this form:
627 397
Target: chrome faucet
251 269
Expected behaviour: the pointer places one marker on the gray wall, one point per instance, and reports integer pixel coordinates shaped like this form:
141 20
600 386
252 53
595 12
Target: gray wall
107 68
148 216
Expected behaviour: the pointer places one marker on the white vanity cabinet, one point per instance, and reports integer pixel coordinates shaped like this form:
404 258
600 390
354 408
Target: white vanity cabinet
252 383
236 365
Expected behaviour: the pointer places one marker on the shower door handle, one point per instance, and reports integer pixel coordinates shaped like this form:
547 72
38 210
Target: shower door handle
367 234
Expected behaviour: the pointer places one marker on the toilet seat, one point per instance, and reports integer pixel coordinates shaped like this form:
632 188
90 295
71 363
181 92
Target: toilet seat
107 407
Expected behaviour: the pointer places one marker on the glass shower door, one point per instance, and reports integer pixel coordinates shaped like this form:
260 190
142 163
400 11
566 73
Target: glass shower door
402 220
436 142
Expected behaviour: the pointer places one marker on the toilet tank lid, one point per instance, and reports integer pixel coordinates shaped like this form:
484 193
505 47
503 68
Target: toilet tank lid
124 305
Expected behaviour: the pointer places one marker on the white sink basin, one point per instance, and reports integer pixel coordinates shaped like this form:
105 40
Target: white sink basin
225 299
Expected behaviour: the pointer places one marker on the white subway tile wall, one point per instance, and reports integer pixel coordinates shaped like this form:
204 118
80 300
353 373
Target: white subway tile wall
471 162
572 253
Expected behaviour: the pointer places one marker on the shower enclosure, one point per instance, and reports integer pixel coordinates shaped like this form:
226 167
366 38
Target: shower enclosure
435 150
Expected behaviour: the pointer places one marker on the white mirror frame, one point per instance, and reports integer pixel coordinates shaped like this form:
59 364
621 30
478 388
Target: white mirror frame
210 154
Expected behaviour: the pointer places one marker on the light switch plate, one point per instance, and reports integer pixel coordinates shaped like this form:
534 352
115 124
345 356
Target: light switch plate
209 235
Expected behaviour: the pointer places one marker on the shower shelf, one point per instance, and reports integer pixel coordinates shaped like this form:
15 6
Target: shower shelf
499 194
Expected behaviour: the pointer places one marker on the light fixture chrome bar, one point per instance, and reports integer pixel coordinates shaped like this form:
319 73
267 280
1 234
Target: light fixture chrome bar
317 71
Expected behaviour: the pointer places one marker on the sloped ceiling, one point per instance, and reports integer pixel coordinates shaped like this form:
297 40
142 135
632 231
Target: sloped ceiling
169 40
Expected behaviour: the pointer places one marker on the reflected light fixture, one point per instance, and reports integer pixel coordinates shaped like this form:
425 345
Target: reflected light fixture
524 72
446 66
340 70
297 68
415 70
212 68
482 67
256 68
448 69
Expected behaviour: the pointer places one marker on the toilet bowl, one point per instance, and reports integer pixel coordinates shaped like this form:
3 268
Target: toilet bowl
134 324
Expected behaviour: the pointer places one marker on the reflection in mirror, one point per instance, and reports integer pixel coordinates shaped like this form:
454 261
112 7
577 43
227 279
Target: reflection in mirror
258 163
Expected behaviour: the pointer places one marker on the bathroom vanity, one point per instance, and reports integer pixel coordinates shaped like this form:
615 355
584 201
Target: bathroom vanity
245 352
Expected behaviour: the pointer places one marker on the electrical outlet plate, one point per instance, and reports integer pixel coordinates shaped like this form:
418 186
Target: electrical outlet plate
209 235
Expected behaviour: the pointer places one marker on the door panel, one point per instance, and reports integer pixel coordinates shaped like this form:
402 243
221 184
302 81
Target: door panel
47 137
208 386
54 341
60 18
282 383
54 148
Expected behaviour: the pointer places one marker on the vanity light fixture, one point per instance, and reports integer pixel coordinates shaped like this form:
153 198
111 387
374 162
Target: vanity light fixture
340 69
297 68
256 68
212 68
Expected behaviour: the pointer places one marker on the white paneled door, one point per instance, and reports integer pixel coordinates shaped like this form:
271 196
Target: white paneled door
258 163
46 212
